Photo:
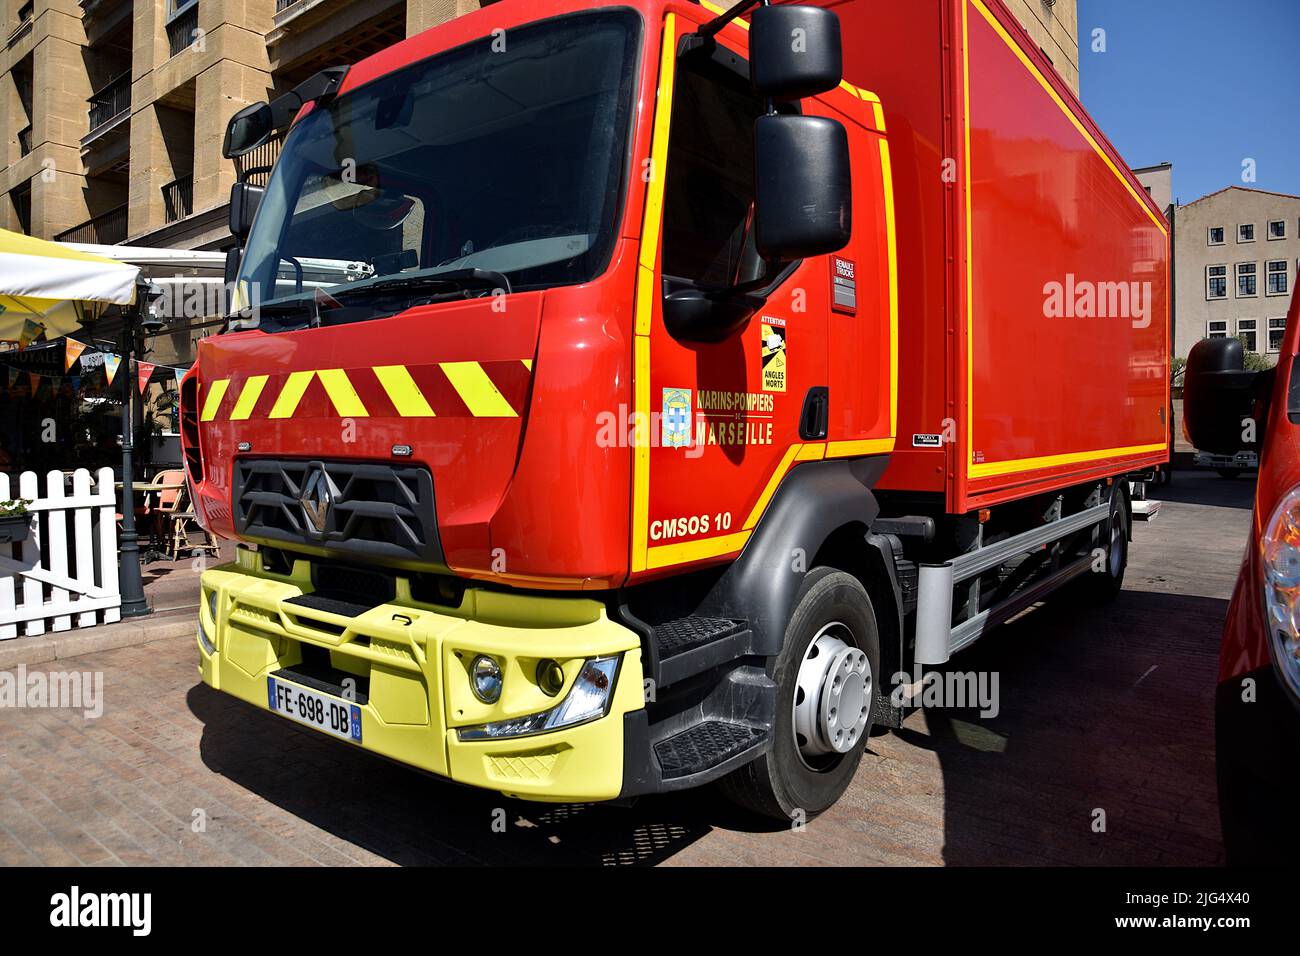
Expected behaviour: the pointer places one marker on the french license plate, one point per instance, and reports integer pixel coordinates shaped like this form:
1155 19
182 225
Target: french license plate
336 717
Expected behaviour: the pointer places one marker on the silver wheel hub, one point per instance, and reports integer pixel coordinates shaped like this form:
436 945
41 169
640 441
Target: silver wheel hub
832 699
1116 548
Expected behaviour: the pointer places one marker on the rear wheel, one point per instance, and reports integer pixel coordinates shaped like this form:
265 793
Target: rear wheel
1106 581
827 676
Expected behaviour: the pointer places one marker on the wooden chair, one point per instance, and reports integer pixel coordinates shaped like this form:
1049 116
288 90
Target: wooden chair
179 515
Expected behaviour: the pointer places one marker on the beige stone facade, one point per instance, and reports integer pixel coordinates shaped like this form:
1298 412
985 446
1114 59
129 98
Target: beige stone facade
1236 255
1054 25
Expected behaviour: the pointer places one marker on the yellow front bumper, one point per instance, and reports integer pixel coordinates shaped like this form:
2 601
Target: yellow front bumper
416 658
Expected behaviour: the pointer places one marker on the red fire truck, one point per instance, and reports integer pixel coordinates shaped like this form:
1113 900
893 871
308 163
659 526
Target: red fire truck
697 375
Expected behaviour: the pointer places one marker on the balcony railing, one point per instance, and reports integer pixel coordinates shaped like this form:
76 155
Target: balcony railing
110 102
24 141
282 4
260 158
180 29
178 198
106 229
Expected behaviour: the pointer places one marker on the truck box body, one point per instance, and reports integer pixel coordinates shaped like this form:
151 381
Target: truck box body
582 487
1038 393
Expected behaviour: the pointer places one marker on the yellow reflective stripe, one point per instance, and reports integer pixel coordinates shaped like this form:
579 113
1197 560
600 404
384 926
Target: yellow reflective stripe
867 446
810 453
248 397
403 392
991 468
761 505
216 392
476 390
891 245
528 364
291 394
663 555
339 388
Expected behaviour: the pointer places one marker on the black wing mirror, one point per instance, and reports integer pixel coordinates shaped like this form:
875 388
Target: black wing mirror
245 198
248 129
803 203
1219 394
794 51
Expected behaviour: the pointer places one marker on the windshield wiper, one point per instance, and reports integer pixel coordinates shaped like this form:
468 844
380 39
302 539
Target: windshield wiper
460 280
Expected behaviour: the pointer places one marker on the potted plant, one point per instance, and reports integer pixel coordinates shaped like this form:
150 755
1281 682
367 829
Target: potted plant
14 525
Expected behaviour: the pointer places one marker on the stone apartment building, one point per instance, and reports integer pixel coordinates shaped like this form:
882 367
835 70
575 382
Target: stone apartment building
112 112
1236 257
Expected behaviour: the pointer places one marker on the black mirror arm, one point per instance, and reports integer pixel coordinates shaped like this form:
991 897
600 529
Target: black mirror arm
721 20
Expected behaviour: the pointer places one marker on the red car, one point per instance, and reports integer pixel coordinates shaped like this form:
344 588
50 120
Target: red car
1257 714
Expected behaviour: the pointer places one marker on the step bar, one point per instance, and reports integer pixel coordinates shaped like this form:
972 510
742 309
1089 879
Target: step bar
936 638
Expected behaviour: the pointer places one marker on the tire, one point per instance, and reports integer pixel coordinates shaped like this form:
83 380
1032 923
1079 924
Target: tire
1105 585
833 606
1228 473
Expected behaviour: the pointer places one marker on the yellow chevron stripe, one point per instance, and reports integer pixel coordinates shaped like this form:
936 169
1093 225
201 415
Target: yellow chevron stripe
345 398
528 364
476 390
291 394
248 397
211 404
403 392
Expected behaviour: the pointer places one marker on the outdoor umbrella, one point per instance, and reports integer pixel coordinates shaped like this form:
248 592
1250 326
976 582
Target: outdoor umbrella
51 286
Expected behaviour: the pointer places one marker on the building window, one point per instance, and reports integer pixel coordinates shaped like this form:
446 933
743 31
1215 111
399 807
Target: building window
1247 277
1277 283
1216 282
1247 331
1246 232
1276 330
1216 236
1216 329
1277 229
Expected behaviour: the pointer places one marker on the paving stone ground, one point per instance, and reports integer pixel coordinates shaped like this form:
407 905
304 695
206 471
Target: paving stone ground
1101 709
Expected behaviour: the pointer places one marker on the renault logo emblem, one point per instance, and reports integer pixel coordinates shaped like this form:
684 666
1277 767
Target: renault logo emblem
316 498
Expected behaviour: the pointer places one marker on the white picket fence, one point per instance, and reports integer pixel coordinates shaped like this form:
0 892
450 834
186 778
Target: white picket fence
66 570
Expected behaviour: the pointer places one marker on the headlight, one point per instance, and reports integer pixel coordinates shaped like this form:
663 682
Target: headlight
1279 549
588 699
212 606
485 679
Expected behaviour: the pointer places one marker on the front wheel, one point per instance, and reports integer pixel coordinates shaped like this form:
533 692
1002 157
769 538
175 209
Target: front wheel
827 676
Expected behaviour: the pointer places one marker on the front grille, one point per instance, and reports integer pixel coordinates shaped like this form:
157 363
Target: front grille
375 511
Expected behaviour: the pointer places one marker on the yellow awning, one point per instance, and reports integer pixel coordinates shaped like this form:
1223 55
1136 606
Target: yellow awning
48 287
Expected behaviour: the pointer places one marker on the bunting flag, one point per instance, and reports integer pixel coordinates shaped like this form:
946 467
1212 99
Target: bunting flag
36 382
111 362
30 333
72 350
144 369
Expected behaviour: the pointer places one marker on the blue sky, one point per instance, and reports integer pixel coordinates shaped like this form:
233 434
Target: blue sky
1203 84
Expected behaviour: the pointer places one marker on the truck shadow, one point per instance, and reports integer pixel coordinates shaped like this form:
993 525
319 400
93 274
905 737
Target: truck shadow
407 818
1102 749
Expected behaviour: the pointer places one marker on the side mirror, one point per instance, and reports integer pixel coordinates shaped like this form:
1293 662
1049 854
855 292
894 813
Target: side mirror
1217 395
794 51
248 129
803 202
245 198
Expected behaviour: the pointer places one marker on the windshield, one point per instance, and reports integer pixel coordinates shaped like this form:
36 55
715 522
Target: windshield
504 158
